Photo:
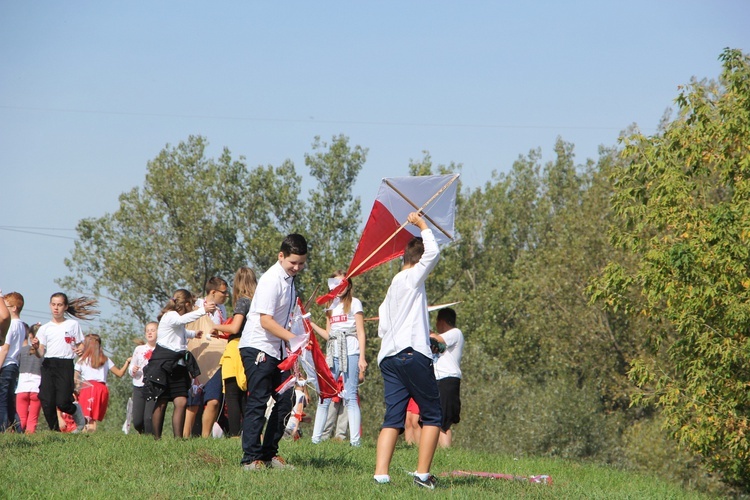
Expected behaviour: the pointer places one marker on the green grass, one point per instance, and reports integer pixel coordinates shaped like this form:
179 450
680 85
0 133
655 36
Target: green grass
109 465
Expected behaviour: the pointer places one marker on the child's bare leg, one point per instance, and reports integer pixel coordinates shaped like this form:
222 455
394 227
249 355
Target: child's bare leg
210 413
427 443
191 414
386 445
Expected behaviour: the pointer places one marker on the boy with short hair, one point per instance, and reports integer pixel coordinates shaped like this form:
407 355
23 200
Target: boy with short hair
448 371
262 347
405 358
9 360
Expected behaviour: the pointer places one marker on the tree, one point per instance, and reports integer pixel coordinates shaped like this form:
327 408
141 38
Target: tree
194 218
683 202
332 222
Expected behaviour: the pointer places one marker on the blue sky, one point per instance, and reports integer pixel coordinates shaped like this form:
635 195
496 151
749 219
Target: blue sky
91 91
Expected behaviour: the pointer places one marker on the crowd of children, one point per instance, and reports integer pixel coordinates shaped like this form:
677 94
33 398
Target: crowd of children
57 369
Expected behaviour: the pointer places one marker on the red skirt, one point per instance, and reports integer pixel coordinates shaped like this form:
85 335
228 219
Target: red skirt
94 399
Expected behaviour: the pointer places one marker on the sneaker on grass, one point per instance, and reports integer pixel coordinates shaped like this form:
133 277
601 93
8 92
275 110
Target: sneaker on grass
279 463
255 465
428 483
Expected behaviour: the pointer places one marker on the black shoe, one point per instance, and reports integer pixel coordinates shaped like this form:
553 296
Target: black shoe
429 483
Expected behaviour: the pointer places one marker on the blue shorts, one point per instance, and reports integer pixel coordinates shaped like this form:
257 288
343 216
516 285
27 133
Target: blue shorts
410 374
213 388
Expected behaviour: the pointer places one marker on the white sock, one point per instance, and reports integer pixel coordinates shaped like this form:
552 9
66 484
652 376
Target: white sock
382 478
423 476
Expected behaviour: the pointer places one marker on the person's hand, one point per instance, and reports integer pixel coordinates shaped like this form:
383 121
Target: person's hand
199 334
209 306
362 367
35 343
134 369
416 219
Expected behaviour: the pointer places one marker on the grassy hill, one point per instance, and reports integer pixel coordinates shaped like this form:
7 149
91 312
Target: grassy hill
110 464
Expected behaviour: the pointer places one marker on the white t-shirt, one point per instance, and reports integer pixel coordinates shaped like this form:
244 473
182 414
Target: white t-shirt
14 340
275 295
218 316
141 355
448 364
59 339
94 374
404 320
341 321
172 333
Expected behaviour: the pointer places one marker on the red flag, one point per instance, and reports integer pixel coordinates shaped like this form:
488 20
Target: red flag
386 232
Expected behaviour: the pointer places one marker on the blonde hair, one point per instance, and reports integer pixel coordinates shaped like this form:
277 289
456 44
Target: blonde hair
244 284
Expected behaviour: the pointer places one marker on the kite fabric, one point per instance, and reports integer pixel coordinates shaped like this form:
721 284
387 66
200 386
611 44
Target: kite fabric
305 351
540 479
387 233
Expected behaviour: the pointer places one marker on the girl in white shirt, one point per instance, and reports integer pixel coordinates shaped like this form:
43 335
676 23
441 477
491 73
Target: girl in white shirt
170 357
143 408
91 376
58 341
345 333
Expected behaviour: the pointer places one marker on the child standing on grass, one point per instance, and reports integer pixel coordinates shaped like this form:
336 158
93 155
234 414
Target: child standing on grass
232 370
91 370
168 371
143 408
262 348
9 351
28 405
405 358
345 333
58 341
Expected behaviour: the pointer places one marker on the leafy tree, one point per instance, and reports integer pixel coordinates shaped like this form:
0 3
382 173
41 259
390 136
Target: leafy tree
682 198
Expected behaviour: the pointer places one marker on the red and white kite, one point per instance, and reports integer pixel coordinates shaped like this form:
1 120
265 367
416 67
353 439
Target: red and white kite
387 231
306 354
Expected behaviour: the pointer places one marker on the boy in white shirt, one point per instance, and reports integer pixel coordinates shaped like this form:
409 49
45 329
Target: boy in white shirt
262 347
405 358
9 360
448 372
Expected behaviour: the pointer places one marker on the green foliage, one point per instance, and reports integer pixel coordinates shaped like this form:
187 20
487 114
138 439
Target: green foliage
682 199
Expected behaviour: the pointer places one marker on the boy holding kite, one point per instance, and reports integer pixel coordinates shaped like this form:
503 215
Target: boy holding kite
405 358
262 348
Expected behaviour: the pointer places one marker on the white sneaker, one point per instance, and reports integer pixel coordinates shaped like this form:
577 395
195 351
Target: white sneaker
79 419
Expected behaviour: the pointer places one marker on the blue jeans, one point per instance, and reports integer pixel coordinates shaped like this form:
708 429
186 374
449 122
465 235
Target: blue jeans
351 380
8 382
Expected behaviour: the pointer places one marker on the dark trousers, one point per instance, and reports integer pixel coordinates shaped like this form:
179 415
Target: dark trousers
236 399
8 381
56 389
262 380
143 410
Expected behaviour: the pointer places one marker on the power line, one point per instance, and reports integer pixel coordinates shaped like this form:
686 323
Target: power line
40 228
8 228
311 120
